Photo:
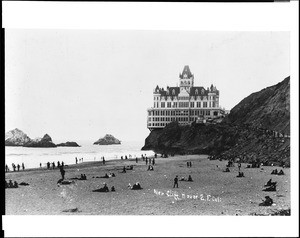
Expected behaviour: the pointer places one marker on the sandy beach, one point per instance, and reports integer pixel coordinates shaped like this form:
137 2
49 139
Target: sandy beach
212 192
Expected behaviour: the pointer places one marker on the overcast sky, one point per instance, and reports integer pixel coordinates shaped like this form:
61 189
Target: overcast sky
82 84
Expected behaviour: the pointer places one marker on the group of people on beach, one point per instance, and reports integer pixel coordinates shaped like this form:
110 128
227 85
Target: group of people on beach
59 165
11 184
15 167
80 160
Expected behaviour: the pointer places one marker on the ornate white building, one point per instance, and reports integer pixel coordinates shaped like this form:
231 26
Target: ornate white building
184 104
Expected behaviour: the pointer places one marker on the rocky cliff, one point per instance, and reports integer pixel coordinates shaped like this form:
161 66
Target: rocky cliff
268 108
255 129
107 140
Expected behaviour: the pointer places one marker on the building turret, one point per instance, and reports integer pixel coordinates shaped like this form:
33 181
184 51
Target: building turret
186 79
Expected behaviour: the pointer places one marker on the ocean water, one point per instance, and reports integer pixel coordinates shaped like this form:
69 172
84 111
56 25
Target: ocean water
32 157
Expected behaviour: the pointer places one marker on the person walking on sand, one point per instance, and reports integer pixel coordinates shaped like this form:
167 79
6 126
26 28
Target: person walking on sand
62 172
176 181
23 166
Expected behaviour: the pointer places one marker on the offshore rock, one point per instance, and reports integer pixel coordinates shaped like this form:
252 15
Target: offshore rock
16 137
107 140
68 144
46 141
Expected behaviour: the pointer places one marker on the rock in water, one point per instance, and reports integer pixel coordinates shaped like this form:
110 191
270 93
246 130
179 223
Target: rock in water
69 144
16 137
107 140
46 141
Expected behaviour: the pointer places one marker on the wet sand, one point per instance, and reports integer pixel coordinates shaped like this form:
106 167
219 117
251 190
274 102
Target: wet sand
212 192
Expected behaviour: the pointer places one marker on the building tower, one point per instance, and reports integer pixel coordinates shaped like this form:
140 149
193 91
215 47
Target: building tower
186 79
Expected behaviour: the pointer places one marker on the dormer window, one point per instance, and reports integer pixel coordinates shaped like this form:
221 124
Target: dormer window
196 91
202 91
173 91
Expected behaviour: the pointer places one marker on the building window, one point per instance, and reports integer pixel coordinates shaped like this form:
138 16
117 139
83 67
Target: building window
196 91
173 91
207 113
204 104
162 104
192 104
168 104
198 104
175 104
202 91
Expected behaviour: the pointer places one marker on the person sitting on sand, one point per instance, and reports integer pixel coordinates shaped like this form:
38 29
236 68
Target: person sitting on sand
182 179
241 174
112 189
15 184
190 178
105 176
226 170
269 183
129 167
274 171
136 186
272 188
281 172
150 167
10 184
267 202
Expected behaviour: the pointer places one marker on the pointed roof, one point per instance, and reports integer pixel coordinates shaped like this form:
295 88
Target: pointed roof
187 71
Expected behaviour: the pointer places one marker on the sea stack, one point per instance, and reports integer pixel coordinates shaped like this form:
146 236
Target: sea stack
16 137
107 140
68 144
46 141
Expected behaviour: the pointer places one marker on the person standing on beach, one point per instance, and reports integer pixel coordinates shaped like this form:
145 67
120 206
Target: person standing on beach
76 160
18 167
62 164
14 167
146 160
239 166
6 168
48 165
62 172
40 165
153 161
136 159
23 166
176 181
103 160
53 165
